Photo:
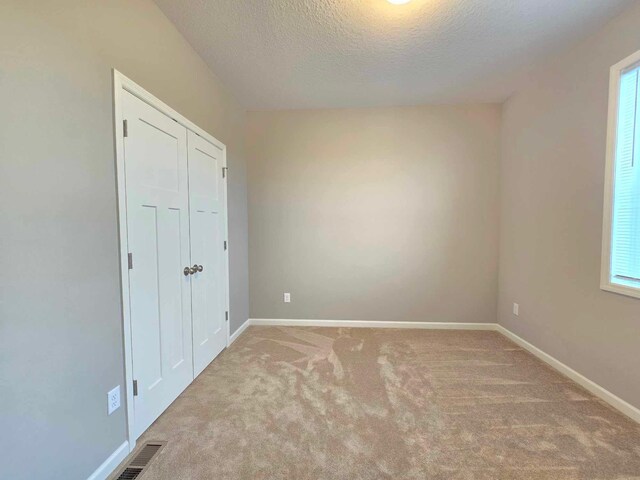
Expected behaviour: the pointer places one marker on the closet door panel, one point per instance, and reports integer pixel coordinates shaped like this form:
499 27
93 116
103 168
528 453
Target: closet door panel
158 238
206 203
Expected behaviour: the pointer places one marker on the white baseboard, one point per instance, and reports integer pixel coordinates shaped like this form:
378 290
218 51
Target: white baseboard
600 392
234 336
110 464
372 324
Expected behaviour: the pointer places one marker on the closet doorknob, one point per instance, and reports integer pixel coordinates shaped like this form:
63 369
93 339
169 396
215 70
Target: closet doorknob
200 268
186 271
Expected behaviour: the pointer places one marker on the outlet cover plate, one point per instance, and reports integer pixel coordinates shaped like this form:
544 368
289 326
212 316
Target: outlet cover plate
113 399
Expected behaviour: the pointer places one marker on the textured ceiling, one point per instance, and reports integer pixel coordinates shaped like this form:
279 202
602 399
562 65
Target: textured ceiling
276 54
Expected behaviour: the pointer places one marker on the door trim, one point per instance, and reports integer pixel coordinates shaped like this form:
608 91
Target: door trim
122 83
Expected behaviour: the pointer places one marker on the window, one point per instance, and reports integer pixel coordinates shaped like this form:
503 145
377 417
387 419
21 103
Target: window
621 242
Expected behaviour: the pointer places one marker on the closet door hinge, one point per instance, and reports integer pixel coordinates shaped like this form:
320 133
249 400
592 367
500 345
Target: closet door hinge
225 244
135 388
226 316
224 172
125 128
130 260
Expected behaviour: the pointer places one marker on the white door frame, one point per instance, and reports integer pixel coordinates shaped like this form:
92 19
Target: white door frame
122 83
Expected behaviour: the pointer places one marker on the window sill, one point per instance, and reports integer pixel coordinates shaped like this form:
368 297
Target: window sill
620 289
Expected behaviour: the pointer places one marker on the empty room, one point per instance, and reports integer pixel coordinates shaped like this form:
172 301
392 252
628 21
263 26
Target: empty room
320 239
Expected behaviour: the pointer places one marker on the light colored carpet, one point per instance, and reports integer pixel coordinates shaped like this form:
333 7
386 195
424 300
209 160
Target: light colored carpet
303 403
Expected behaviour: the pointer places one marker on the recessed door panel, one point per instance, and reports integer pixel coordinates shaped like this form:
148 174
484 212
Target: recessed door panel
173 304
162 146
146 305
206 232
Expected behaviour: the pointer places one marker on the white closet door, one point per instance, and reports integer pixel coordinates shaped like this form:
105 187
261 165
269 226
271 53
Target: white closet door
158 238
208 288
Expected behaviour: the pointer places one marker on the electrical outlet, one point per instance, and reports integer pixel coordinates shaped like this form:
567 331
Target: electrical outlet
113 398
516 309
287 298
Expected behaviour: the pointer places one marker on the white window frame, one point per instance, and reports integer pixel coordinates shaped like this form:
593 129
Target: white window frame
609 181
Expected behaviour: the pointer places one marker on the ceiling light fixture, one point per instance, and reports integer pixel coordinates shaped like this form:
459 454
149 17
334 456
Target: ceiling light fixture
398 2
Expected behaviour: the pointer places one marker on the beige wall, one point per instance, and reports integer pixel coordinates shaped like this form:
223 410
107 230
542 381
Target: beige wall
374 214
60 314
553 157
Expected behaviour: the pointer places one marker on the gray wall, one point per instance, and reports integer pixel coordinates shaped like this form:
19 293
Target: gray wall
60 314
374 214
553 160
